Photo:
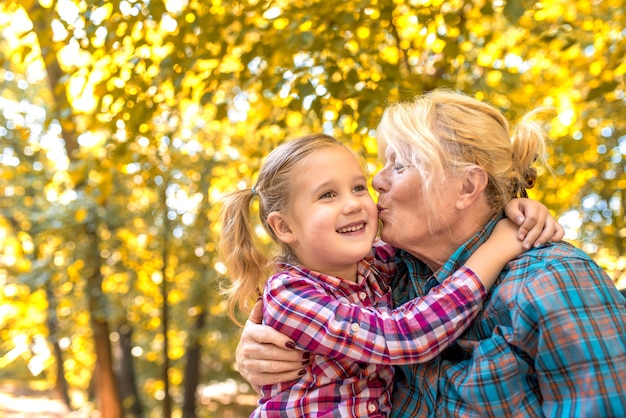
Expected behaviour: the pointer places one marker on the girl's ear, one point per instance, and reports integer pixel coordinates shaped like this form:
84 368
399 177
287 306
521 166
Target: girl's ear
279 224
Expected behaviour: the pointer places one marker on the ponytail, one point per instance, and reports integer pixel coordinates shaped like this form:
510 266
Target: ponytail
529 148
241 252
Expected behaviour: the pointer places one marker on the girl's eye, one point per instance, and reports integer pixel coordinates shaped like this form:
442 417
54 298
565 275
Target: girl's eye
360 188
326 195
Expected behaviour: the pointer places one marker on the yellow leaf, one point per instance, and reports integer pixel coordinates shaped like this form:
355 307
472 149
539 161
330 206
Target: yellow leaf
80 215
294 119
281 23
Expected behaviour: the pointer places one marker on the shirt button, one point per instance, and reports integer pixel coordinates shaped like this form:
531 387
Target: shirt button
362 295
371 407
432 282
355 327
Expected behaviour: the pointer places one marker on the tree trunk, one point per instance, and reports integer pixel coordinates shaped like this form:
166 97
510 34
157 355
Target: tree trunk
106 387
127 378
42 26
60 386
167 405
192 368
105 382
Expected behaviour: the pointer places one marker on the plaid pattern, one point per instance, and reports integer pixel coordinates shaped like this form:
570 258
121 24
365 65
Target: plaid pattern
550 341
355 337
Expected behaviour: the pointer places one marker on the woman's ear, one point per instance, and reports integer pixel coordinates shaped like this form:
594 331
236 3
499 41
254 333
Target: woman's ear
474 184
279 224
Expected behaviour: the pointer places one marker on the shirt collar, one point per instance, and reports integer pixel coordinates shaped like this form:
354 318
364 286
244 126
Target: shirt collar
418 272
363 274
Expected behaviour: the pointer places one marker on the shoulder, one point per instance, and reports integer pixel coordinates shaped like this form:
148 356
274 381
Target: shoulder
382 251
293 279
561 260
293 290
381 261
552 276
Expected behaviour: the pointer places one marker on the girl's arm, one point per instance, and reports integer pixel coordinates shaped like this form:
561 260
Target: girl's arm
415 332
491 257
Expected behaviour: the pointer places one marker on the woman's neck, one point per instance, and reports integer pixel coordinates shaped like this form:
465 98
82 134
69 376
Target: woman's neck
435 251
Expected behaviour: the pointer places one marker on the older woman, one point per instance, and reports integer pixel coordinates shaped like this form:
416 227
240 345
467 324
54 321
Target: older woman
551 340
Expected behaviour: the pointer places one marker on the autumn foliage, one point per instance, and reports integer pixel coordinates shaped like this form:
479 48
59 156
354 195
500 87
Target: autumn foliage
123 122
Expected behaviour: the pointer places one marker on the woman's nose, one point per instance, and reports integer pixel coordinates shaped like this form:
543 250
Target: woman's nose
378 182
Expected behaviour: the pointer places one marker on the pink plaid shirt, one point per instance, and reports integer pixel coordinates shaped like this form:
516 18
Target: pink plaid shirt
354 336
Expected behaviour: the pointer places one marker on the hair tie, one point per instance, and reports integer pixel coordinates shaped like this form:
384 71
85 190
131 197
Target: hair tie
530 177
519 187
254 193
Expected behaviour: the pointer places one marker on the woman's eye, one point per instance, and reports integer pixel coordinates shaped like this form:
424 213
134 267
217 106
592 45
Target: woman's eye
398 166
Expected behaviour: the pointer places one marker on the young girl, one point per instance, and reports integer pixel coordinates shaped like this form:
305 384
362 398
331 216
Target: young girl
328 289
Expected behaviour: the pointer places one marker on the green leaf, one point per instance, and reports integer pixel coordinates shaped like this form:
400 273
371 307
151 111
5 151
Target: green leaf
513 10
601 90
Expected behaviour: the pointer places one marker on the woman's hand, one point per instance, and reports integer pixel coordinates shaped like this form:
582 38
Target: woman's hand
536 225
265 356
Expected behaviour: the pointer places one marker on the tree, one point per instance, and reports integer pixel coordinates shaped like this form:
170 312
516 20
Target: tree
164 106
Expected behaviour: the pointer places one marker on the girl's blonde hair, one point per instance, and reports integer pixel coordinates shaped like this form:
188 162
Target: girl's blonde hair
443 132
247 264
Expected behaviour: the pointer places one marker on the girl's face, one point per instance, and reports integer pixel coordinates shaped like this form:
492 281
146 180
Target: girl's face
331 220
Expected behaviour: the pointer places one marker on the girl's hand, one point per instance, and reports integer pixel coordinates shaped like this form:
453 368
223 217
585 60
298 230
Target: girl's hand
536 225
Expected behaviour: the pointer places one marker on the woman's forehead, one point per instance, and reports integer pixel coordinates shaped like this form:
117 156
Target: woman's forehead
390 153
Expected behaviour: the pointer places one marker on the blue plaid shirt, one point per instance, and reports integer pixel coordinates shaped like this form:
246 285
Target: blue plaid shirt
550 341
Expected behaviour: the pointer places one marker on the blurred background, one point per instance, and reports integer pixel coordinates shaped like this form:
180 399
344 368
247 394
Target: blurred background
123 122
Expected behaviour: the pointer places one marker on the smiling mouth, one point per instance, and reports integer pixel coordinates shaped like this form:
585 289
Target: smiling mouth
352 228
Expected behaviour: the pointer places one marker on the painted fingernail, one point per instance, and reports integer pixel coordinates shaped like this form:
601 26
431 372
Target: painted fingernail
306 356
301 372
290 344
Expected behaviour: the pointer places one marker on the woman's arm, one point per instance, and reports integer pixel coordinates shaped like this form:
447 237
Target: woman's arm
265 356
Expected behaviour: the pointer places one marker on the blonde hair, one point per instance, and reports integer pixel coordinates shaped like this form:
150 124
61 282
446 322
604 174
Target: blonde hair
443 132
247 264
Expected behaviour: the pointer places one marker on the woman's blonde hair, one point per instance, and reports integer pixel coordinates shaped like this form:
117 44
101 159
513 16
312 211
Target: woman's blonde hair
247 264
443 132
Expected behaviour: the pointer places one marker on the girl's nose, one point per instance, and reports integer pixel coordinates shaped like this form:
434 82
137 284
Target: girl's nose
353 204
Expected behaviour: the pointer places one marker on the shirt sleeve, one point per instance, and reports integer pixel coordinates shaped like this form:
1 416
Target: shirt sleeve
414 332
573 323
560 343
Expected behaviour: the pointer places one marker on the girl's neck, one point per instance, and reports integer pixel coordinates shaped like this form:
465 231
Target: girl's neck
347 274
